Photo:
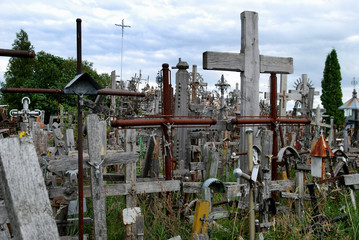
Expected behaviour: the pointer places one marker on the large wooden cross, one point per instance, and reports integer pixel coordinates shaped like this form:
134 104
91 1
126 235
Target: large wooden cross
250 64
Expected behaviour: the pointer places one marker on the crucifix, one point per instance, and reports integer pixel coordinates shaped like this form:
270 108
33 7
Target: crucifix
222 86
167 122
250 64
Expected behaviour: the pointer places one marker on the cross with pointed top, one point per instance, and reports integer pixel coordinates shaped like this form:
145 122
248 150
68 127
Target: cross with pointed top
122 26
354 82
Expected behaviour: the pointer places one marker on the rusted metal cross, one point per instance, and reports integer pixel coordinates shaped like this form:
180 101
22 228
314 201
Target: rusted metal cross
273 120
166 122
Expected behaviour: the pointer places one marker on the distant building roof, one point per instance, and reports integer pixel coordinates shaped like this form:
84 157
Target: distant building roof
352 103
321 149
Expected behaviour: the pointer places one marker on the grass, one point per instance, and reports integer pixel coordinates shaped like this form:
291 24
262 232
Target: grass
164 219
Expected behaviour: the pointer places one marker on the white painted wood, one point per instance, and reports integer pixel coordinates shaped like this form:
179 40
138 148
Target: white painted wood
97 186
129 215
351 179
26 199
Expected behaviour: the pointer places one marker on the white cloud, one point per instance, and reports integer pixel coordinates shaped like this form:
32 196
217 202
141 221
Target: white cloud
162 31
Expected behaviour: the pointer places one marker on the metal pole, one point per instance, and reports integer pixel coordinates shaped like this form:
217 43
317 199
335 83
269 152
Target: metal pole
17 53
61 91
166 113
79 137
273 103
252 231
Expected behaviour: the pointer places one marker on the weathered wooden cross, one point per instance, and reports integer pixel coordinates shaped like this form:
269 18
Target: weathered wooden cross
251 64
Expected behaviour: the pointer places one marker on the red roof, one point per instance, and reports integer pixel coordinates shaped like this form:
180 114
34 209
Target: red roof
321 149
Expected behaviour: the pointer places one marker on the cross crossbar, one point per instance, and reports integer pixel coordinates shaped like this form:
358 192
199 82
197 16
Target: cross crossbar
227 61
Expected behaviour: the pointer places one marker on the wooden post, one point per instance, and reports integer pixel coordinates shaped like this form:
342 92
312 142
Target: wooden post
97 187
213 159
267 142
252 231
23 187
300 186
130 177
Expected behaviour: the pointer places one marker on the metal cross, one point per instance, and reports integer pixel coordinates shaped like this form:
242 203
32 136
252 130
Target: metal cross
354 82
122 26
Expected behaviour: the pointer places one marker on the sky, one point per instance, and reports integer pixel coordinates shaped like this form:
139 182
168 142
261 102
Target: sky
165 30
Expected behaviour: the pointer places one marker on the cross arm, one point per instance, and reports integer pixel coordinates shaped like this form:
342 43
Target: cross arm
159 121
227 61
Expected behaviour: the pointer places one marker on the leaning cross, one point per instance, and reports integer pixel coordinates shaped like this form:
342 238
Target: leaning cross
250 64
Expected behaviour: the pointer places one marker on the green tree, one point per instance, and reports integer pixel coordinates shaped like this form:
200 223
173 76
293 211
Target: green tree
45 71
19 70
331 89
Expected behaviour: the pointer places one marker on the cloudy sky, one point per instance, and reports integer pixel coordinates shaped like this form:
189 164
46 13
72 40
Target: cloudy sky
163 31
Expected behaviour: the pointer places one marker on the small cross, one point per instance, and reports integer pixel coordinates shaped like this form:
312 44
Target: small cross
354 82
283 95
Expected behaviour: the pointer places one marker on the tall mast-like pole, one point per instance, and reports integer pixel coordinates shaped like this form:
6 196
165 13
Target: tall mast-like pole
122 26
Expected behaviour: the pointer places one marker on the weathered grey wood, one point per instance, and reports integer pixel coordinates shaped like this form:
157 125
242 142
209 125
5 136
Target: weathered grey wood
3 212
351 179
74 237
70 140
300 187
250 64
26 199
295 196
39 138
97 186
198 166
213 162
70 163
303 167
269 64
282 185
191 187
226 61
175 238
215 214
126 188
4 234
148 156
130 176
140 227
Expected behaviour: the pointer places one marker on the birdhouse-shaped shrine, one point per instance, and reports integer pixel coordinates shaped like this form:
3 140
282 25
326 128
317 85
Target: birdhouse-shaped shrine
319 154
82 84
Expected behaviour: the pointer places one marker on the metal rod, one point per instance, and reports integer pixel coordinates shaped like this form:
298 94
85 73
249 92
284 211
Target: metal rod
148 122
166 112
120 93
79 46
61 91
32 90
79 139
17 53
273 103
252 231
270 120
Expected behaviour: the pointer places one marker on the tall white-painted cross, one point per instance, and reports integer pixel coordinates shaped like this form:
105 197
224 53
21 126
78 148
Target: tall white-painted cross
250 63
